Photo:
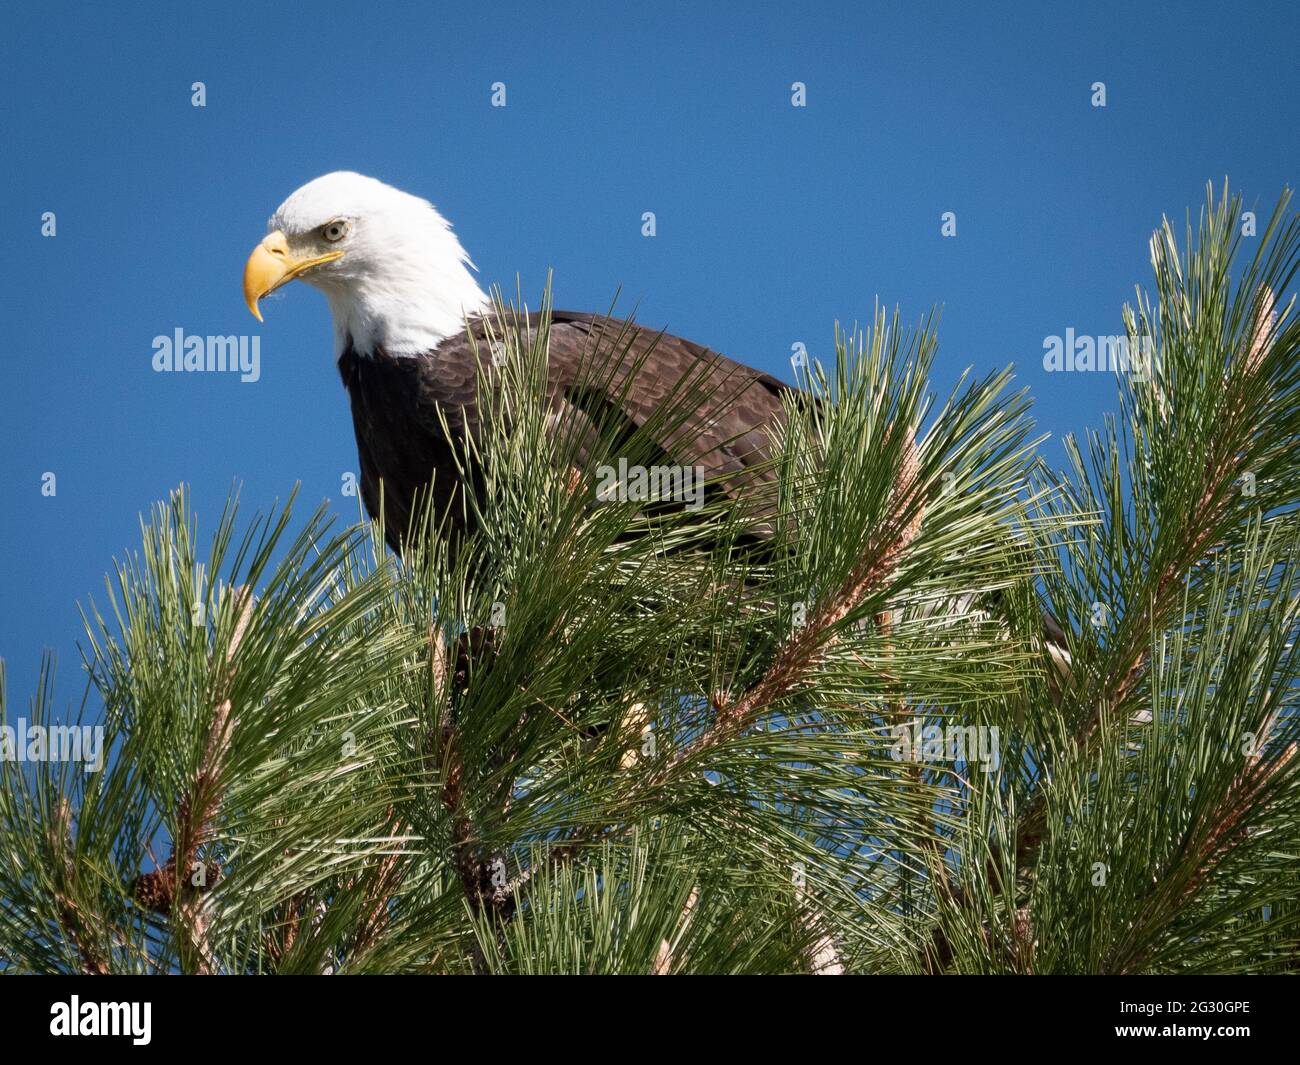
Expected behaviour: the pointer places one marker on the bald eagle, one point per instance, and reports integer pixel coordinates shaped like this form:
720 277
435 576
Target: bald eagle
408 317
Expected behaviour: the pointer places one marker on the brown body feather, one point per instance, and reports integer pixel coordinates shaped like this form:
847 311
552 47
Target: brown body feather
402 442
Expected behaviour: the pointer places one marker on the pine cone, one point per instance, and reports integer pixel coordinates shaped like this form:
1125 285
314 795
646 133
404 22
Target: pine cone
156 891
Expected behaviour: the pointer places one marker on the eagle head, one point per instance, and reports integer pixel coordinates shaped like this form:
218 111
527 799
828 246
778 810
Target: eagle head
394 273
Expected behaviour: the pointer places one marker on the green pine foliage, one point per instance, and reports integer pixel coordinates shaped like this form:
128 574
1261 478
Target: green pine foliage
600 737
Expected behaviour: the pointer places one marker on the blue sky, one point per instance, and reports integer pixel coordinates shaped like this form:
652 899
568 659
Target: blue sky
773 221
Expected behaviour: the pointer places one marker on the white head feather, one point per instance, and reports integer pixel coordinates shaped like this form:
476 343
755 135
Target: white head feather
403 284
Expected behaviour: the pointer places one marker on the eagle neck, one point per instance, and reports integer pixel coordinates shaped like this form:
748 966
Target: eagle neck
402 320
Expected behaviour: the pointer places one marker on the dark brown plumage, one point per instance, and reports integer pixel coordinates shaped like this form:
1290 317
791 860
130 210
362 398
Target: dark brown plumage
402 442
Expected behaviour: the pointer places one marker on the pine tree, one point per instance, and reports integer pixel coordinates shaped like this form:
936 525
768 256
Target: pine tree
816 729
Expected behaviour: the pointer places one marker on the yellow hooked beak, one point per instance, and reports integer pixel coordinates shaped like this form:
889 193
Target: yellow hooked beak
272 265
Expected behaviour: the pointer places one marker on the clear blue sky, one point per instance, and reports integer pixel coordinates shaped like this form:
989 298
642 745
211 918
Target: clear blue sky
773 221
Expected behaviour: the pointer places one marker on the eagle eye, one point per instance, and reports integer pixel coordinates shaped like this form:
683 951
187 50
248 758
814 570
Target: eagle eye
336 230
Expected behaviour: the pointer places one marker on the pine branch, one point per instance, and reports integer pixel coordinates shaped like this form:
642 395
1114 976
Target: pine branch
164 891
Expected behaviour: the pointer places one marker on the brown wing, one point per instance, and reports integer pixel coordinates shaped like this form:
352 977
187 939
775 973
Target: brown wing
599 368
598 365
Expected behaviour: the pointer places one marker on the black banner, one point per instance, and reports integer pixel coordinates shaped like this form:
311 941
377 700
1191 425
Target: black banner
143 1015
